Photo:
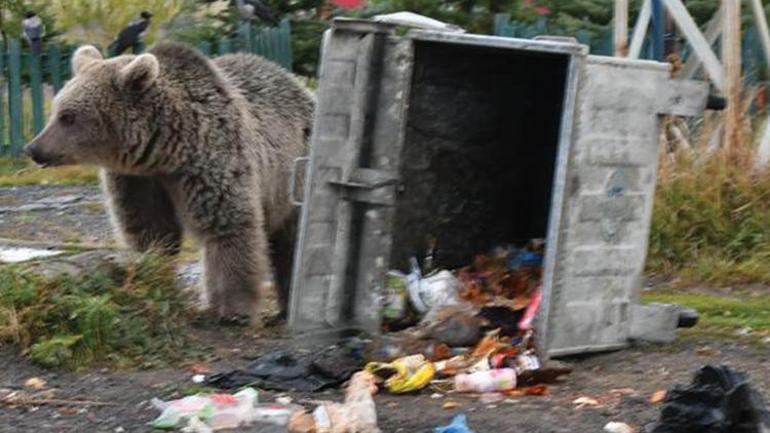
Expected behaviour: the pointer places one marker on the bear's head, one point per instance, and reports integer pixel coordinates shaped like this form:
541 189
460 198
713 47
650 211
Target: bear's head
102 115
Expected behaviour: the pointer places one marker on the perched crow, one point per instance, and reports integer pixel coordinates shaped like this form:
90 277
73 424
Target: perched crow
34 30
250 9
131 35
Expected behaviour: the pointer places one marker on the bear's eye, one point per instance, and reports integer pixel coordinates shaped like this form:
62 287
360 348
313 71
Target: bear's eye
67 119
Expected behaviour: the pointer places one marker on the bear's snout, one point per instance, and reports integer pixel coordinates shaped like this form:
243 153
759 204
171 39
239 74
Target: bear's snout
41 158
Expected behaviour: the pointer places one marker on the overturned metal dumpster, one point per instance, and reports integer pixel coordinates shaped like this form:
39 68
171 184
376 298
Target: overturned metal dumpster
470 141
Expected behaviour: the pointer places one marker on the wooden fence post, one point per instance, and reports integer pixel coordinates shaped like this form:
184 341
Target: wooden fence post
244 33
621 28
205 48
3 146
224 46
36 90
286 26
640 30
54 67
14 95
731 57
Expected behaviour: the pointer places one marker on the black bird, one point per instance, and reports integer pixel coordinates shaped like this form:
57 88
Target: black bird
250 9
131 35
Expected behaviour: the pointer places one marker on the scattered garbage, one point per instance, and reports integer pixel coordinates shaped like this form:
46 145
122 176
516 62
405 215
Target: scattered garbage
658 396
440 289
35 383
396 309
22 254
458 425
202 413
450 405
226 407
388 348
476 335
406 374
456 328
199 378
357 414
286 370
718 400
502 379
618 427
411 19
583 402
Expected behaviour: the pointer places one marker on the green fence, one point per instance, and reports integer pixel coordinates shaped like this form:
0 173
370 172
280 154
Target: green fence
754 68
28 82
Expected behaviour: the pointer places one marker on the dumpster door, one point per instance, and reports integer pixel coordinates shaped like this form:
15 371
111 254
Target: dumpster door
345 237
600 233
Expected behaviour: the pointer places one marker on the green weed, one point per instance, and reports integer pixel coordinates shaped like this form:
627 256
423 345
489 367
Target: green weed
124 315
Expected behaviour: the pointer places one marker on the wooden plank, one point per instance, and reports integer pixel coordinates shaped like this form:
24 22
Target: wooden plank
621 28
640 30
713 30
36 91
700 45
731 57
764 33
54 67
15 96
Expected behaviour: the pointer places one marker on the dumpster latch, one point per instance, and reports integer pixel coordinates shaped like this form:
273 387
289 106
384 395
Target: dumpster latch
369 186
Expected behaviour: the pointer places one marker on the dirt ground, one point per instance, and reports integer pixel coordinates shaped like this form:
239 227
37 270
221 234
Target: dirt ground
621 381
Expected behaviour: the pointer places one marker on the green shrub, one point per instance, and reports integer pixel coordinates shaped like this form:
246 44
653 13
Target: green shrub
123 315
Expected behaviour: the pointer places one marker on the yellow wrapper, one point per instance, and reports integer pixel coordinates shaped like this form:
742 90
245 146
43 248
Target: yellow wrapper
411 373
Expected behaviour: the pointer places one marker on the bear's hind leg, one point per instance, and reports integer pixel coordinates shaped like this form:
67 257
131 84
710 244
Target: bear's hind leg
142 213
235 267
282 243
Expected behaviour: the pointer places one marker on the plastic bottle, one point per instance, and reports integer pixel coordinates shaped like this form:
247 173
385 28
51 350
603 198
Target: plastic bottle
502 379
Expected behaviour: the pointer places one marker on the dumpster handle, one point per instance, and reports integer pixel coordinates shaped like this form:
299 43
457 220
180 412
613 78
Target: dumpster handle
293 181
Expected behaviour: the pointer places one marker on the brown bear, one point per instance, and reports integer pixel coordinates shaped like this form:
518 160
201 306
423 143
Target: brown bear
189 143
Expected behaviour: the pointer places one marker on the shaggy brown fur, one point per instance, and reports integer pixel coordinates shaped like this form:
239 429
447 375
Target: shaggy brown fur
187 143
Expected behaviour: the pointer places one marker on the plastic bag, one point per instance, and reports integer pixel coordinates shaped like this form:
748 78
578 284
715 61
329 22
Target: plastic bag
218 411
442 288
459 425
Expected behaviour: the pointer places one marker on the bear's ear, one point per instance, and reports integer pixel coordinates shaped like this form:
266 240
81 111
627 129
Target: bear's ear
140 74
83 57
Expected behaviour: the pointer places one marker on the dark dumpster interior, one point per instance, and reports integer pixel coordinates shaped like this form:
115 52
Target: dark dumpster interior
480 150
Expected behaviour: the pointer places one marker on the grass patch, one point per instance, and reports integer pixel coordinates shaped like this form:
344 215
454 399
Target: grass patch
20 171
121 315
711 219
720 316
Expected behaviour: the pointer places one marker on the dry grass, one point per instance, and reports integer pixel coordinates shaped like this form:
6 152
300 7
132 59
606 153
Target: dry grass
711 221
19 171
